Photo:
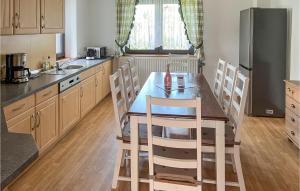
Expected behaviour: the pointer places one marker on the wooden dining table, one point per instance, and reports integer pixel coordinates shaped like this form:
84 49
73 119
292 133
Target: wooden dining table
212 116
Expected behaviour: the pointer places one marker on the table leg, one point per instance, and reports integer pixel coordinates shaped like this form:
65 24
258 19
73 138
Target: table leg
220 155
134 129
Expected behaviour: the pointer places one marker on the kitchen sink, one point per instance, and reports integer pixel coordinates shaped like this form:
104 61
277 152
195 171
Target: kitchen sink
72 67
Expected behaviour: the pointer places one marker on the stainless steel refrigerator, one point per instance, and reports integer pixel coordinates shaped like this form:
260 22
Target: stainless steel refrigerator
263 57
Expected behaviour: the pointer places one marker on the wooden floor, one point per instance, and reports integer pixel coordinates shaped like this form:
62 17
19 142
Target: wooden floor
84 159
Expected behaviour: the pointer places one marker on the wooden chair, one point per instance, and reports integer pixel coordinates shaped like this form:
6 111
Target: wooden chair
227 88
178 62
135 78
123 127
219 79
128 86
233 129
174 164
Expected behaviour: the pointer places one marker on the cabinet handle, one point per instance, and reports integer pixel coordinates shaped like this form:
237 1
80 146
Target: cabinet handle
292 92
48 93
293 133
293 106
96 82
289 89
33 122
43 22
18 108
17 20
38 119
292 119
81 92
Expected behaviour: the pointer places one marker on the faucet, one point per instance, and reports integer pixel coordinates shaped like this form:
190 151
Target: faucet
59 66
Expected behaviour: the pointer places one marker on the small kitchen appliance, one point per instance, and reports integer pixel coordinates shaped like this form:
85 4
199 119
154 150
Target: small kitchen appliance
92 53
103 52
16 71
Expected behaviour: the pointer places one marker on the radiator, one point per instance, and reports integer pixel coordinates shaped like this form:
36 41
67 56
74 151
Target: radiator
146 65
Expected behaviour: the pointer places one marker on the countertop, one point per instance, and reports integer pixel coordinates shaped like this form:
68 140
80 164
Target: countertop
18 151
13 92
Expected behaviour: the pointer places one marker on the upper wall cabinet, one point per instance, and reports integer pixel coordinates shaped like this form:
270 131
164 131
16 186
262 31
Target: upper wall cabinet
32 16
7 14
27 17
52 16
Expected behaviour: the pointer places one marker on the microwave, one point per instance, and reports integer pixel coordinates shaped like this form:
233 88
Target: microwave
95 53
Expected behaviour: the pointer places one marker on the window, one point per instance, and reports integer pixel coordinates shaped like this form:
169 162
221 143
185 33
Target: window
158 28
60 45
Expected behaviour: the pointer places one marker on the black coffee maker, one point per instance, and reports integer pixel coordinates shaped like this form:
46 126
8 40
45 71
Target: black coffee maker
16 71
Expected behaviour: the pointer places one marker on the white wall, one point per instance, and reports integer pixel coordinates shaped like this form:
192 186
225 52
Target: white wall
97 27
70 26
84 26
294 31
77 28
221 32
221 29
103 24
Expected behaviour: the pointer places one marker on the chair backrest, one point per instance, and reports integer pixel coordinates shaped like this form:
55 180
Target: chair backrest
237 106
178 62
128 86
227 89
135 78
119 100
219 78
154 141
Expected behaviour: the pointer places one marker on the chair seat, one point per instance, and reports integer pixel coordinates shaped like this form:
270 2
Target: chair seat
209 136
143 135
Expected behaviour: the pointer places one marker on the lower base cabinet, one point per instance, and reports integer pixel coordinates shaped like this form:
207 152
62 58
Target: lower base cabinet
69 107
47 123
87 95
99 86
107 70
48 116
24 123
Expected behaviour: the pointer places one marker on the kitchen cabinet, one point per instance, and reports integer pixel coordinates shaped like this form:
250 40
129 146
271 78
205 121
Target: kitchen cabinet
27 16
52 16
19 107
99 86
32 16
69 104
107 70
87 95
23 123
7 14
47 123
292 111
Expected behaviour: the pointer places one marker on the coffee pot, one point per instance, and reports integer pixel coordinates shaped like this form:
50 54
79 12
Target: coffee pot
16 70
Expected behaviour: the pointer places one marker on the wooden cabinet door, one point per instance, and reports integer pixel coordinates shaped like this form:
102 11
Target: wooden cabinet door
107 69
87 94
7 15
99 93
69 107
52 16
47 123
27 16
23 123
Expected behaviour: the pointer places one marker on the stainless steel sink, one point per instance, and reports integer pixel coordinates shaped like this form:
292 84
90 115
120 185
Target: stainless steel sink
56 72
72 67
